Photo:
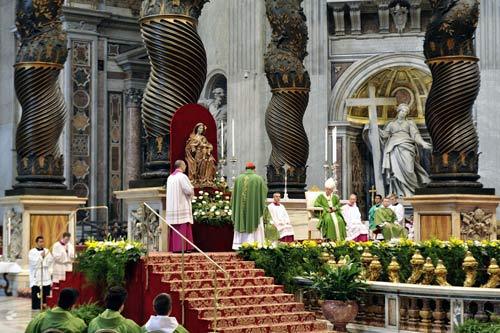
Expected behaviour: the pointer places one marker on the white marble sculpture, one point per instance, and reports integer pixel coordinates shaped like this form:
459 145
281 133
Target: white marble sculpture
218 108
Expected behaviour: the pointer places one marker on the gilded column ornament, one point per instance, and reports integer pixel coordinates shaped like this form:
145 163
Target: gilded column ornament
290 86
428 270
178 72
393 270
494 273
366 259
470 267
41 56
417 263
441 273
449 50
375 269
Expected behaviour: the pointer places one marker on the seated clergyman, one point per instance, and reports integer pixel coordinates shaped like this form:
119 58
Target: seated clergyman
386 222
278 216
162 322
59 317
331 222
111 318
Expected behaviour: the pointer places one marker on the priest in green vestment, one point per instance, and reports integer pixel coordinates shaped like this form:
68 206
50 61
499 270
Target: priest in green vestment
111 318
331 223
386 221
248 202
373 209
59 317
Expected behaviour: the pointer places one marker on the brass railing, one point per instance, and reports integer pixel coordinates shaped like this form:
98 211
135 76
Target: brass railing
216 266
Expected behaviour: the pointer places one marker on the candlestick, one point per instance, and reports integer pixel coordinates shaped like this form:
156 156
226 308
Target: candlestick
286 167
334 145
233 161
232 138
9 226
221 139
326 144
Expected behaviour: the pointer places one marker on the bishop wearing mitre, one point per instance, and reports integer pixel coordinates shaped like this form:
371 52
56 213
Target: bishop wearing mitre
279 217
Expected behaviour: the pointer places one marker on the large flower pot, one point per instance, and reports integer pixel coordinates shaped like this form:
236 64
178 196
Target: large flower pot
340 313
213 239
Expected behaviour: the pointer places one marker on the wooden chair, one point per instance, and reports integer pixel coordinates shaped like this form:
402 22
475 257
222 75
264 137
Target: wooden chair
313 212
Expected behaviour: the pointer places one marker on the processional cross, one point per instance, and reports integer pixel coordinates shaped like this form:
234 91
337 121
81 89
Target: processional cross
372 102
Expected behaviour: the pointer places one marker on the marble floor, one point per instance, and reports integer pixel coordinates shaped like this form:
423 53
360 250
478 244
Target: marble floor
15 314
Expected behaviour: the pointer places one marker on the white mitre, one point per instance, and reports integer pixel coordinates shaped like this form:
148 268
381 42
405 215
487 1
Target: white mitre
330 184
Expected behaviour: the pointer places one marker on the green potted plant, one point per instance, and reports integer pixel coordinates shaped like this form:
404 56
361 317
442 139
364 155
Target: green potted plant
340 288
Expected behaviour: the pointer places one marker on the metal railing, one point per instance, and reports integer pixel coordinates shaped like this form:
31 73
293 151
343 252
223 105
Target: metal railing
91 208
216 266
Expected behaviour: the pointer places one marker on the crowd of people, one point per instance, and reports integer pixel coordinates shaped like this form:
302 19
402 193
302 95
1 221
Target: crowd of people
111 320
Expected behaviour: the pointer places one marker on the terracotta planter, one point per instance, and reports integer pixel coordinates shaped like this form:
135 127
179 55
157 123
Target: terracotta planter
340 313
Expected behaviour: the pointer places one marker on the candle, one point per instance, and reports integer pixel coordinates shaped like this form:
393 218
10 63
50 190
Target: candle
232 137
326 144
221 139
8 231
334 145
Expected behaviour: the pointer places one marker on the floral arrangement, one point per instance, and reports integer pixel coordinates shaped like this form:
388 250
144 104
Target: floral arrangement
285 261
104 263
212 208
87 312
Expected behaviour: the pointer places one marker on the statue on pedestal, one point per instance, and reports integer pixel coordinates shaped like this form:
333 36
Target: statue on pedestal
218 108
400 158
201 163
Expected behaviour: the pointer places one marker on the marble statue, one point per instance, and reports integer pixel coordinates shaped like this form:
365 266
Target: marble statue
201 163
400 158
400 16
15 246
218 108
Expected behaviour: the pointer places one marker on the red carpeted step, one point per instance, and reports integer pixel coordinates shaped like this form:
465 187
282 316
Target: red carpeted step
203 302
241 310
204 266
262 319
165 258
233 291
221 282
200 275
289 327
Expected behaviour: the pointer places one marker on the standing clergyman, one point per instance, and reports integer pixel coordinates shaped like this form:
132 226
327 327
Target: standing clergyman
63 253
179 212
40 264
248 202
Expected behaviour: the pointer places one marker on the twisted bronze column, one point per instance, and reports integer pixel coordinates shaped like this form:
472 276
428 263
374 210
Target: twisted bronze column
450 54
41 56
178 72
290 85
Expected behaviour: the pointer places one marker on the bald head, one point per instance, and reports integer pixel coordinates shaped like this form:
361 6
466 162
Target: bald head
180 164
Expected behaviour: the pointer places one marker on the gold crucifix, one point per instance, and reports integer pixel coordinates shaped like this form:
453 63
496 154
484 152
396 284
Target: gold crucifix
372 191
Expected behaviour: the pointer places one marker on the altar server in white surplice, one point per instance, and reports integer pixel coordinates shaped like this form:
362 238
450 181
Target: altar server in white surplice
280 219
64 253
356 229
40 265
398 209
179 212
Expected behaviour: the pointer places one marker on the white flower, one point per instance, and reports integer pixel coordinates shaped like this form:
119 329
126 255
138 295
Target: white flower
226 207
202 213
193 201
216 192
204 202
217 213
201 192
128 247
195 213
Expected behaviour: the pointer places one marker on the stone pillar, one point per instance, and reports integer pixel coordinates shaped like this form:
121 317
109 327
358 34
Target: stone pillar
383 16
338 17
415 11
132 149
355 13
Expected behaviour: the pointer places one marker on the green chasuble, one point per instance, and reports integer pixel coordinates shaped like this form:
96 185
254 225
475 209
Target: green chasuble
390 228
332 225
113 320
56 318
248 201
371 215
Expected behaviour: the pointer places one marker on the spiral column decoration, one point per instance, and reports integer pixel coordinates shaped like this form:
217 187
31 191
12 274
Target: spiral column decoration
450 54
290 86
41 56
178 72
